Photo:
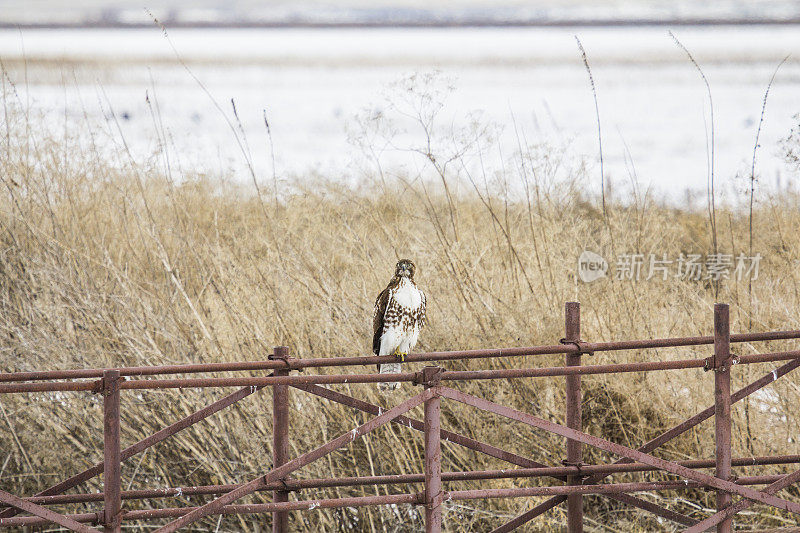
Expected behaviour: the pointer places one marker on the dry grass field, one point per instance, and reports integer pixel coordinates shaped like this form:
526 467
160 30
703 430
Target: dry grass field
107 261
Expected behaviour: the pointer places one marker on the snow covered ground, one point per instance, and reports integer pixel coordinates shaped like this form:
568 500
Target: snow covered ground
312 82
390 12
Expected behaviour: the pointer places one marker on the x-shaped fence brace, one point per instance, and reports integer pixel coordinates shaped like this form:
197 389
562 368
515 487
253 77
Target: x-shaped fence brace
222 504
487 449
659 441
143 444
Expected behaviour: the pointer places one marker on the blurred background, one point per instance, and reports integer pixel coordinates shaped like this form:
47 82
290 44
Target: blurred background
318 70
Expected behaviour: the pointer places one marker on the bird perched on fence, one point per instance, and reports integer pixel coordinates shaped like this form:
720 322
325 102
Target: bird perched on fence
398 317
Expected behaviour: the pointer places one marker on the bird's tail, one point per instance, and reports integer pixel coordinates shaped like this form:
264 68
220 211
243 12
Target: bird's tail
389 368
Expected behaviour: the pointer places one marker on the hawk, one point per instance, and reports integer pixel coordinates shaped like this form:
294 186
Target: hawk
398 317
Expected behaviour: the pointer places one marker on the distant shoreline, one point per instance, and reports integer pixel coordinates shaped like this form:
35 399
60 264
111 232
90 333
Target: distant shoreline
110 24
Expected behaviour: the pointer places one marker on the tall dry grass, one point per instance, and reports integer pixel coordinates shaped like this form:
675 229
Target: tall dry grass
108 261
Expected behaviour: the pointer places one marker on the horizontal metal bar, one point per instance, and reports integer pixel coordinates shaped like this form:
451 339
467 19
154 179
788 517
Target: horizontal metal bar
767 357
511 373
617 368
187 383
609 488
49 386
256 508
399 479
297 364
416 498
332 379
45 514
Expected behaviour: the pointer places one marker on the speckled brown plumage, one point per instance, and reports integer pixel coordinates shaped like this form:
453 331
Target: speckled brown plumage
390 313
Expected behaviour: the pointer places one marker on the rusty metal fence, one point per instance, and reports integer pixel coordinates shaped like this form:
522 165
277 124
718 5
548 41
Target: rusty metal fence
577 478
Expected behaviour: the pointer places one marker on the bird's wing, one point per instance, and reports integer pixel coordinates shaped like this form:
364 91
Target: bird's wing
423 319
377 319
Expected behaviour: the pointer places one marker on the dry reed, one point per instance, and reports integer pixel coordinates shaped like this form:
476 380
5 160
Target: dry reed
109 262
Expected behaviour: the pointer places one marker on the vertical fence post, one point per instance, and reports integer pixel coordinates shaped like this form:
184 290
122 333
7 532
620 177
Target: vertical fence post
112 510
280 436
572 313
433 453
722 406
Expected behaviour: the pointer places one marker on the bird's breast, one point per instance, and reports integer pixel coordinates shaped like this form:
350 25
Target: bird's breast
407 295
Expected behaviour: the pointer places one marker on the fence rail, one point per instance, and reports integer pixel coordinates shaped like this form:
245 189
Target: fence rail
577 478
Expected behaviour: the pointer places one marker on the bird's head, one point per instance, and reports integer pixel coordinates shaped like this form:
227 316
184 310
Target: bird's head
405 269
